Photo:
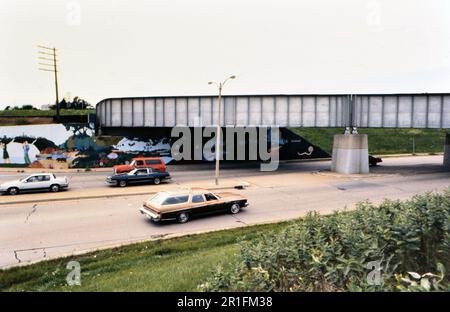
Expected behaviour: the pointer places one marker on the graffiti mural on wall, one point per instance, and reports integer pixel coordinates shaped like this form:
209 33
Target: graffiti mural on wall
60 146
28 145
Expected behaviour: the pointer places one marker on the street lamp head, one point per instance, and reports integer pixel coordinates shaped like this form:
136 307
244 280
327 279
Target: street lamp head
233 77
210 82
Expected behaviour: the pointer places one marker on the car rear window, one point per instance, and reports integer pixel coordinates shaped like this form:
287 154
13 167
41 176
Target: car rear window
176 200
158 199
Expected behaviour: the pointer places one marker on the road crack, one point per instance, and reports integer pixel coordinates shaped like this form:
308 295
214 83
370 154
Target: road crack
156 236
17 256
239 220
33 210
16 252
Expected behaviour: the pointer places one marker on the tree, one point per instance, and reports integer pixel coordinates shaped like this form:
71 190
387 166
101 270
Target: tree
63 104
23 107
76 103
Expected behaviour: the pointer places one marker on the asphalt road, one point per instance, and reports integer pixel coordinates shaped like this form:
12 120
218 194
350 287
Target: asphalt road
195 172
182 173
31 232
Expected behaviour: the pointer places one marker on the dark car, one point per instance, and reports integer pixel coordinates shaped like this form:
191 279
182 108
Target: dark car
138 176
373 161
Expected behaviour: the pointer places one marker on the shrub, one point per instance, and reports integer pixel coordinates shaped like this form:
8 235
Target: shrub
342 251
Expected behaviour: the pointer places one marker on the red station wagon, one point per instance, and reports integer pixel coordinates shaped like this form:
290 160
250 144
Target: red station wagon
155 163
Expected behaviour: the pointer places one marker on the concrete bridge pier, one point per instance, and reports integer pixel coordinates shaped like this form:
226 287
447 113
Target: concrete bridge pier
350 154
447 152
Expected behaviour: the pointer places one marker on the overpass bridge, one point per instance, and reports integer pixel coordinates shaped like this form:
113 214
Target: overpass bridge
416 110
362 110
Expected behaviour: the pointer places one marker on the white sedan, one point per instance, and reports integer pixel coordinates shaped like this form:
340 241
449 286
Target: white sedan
35 182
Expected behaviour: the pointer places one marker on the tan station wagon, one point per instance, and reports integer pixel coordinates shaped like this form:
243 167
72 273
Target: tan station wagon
182 205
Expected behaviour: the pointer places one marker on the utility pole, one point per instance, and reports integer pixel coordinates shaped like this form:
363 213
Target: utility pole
49 55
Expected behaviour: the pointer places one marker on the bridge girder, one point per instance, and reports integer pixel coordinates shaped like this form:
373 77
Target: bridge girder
364 110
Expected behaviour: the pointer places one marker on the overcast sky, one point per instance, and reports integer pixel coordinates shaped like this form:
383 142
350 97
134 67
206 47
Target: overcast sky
114 48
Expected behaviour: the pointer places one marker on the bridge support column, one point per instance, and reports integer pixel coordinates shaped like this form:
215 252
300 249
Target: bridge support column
447 152
350 154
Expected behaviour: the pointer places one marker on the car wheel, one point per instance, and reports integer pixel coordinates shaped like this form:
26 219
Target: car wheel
156 181
13 191
123 183
183 217
54 188
235 208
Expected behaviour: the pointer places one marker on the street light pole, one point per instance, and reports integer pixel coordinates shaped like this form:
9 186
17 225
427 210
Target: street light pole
218 134
218 130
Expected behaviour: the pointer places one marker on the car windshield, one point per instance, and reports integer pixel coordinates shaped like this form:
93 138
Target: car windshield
158 199
210 196
32 179
132 172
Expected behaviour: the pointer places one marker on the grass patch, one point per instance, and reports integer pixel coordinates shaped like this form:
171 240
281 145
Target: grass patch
45 113
14 166
178 264
382 140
